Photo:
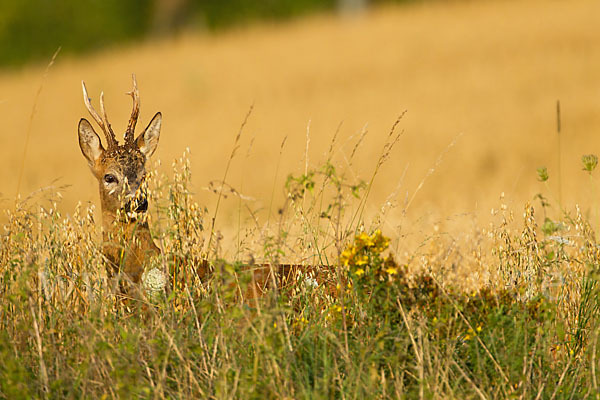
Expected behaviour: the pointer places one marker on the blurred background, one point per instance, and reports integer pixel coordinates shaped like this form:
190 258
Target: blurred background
31 29
480 81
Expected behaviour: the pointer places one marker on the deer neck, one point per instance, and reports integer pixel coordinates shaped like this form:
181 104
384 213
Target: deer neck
128 244
113 225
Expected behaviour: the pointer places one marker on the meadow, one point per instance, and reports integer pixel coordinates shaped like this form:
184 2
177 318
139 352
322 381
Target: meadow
376 144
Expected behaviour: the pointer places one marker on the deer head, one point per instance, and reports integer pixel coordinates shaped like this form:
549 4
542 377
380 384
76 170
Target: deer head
119 169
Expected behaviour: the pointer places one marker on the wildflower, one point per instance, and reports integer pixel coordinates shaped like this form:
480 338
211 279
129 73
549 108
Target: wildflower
275 325
362 260
364 240
392 271
359 272
154 282
311 282
347 256
479 328
380 242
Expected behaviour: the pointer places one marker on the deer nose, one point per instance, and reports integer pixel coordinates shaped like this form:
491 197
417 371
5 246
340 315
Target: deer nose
142 205
137 205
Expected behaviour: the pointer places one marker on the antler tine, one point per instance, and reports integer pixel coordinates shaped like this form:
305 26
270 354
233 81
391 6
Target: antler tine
135 112
90 108
105 118
110 136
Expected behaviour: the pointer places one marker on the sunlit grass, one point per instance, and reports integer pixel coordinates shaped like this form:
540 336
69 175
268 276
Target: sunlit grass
373 323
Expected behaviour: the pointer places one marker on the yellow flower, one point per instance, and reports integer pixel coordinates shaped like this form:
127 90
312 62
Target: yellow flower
347 256
364 240
479 328
359 272
379 241
362 260
392 270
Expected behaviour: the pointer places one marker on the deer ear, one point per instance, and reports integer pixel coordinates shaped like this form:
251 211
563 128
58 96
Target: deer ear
89 142
148 140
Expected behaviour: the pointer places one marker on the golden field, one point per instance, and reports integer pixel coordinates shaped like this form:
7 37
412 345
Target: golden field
479 81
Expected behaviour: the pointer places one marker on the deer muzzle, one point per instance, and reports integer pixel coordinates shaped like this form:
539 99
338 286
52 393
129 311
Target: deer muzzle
141 205
134 206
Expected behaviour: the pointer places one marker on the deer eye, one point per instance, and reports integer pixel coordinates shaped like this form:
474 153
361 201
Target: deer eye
110 178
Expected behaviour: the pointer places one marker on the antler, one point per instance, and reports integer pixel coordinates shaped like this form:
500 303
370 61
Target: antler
135 112
101 121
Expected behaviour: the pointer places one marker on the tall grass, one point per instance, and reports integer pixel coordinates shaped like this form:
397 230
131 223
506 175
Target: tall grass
380 325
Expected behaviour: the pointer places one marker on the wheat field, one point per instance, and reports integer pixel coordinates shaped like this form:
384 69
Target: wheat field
479 82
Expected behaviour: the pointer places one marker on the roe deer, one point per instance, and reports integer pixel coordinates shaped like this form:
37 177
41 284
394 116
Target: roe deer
120 171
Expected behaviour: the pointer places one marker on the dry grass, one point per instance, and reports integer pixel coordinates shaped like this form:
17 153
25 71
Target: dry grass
489 70
382 332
